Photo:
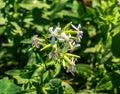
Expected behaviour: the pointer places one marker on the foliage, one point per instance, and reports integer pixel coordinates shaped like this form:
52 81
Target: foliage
31 66
8 87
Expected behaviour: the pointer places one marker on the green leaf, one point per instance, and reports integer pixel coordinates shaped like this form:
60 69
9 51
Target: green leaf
87 92
45 75
2 4
115 79
13 72
31 4
106 57
56 82
67 88
57 69
2 20
116 30
8 87
105 83
67 26
91 30
75 6
94 49
26 41
83 68
115 45
32 59
2 29
90 50
2 53
38 71
17 30
53 87
16 75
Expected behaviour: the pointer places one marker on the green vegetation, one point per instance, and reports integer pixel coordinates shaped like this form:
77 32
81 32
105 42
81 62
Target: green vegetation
59 47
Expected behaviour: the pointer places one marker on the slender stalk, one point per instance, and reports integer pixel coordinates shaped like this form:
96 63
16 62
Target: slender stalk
115 91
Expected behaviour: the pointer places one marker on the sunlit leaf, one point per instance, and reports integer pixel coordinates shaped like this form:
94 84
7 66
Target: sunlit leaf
57 69
67 88
8 87
105 83
26 41
83 68
2 4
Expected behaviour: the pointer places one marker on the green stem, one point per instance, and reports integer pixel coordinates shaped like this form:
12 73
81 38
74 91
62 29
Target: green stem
115 91
58 91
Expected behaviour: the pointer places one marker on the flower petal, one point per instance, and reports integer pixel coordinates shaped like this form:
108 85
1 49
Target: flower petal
51 29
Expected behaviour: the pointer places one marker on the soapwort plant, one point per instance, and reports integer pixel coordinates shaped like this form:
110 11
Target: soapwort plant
54 52
51 56
60 43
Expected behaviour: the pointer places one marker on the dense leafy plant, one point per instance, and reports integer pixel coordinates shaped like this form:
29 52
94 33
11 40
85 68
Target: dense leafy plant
97 69
50 52
103 54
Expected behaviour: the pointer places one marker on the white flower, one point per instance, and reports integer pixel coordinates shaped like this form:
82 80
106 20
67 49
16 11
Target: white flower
73 46
53 33
64 38
76 28
36 41
73 61
72 67
79 32
79 36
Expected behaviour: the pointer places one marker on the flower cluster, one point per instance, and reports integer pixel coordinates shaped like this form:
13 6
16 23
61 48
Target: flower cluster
62 43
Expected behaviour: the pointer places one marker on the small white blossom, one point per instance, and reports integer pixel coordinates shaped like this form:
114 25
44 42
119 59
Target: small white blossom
72 67
64 38
73 46
73 61
53 33
36 41
79 32
76 28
